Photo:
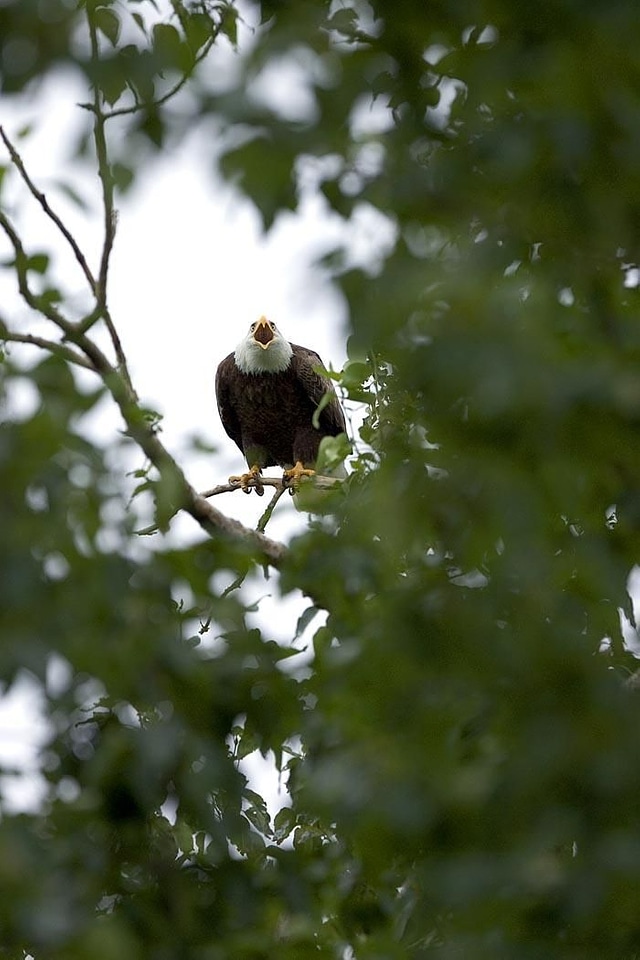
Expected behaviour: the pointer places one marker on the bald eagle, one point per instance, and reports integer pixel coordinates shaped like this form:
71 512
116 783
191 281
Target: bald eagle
267 393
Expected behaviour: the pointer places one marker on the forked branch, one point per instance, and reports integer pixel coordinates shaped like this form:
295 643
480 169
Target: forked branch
33 300
52 346
17 161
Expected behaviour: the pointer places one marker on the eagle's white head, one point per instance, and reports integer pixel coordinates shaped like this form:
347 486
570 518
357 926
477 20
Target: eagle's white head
263 350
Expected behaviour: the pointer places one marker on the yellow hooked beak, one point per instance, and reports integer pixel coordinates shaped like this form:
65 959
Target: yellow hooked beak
263 333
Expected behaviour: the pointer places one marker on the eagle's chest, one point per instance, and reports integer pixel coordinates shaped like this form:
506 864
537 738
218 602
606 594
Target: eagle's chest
271 406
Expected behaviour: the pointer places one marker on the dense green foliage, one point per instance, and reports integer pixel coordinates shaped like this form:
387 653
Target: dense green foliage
463 756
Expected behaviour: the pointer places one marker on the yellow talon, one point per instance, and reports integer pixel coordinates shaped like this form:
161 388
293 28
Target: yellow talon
245 479
294 475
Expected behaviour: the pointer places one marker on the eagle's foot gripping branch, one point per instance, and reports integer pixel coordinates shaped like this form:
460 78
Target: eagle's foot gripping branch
292 477
244 480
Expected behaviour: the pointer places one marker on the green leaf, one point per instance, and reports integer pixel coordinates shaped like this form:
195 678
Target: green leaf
111 80
38 262
138 69
322 640
324 401
304 620
169 48
250 843
344 21
108 23
72 194
265 173
337 199
258 815
152 125
51 296
123 176
184 837
198 28
355 373
284 823
248 742
140 23
229 24
332 453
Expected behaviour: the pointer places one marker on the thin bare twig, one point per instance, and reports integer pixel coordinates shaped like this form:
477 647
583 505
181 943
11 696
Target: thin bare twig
104 172
101 309
319 481
266 516
106 179
59 349
44 203
251 485
40 304
234 585
45 307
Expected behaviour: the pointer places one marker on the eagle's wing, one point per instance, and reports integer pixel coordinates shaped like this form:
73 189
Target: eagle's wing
226 370
316 386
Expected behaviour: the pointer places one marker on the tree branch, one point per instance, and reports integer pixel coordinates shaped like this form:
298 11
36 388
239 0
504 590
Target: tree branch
104 173
251 485
98 288
266 516
106 179
212 520
319 481
44 203
45 307
279 489
59 349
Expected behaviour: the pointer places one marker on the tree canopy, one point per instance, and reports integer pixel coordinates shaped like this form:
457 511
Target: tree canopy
461 749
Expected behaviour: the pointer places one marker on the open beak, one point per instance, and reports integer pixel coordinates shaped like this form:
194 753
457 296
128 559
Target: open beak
263 334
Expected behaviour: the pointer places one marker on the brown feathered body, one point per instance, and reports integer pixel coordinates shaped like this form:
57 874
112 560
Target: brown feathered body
269 414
